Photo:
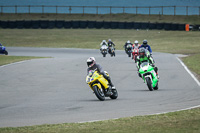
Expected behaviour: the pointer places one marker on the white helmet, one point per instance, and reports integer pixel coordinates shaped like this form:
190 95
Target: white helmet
104 41
128 41
136 42
91 61
109 40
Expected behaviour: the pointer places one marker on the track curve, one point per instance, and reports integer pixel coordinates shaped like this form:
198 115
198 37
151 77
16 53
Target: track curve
53 90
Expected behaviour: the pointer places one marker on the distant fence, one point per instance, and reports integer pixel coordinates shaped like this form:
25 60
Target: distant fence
162 10
46 24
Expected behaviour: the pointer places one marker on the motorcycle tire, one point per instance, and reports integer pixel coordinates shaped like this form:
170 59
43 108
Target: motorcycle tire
6 52
129 55
156 87
149 84
104 55
114 95
99 94
135 59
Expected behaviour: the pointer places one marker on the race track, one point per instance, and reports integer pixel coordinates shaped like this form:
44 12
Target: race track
53 90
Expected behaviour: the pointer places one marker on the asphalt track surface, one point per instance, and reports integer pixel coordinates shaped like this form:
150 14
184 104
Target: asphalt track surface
53 90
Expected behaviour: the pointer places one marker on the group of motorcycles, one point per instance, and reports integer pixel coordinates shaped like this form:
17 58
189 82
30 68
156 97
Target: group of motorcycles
99 84
107 49
130 51
146 71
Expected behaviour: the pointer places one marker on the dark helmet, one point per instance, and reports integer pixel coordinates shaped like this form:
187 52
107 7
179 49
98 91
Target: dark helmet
145 42
0 44
142 52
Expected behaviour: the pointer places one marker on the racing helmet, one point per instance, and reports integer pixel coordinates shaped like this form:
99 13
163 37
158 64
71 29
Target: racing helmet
0 44
145 42
109 40
128 41
91 61
142 52
104 42
136 42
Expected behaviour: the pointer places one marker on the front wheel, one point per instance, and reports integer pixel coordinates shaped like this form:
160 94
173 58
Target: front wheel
149 84
104 55
114 95
6 52
135 58
113 53
99 93
129 54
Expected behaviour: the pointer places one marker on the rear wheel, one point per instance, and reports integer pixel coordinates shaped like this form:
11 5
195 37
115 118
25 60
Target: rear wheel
114 95
99 93
149 84
156 87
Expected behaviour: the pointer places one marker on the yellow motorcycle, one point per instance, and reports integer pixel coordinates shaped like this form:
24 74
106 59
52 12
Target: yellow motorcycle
100 85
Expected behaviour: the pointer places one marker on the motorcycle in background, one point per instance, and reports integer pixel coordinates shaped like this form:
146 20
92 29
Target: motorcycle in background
149 76
129 49
104 50
135 53
111 51
3 50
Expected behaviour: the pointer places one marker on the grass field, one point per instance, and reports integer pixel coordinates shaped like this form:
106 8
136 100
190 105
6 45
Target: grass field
4 59
179 42
163 41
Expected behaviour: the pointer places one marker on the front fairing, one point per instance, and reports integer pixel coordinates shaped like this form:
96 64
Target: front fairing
135 51
147 70
129 48
94 78
104 47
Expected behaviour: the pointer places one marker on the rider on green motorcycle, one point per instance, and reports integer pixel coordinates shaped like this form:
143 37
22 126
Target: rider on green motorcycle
144 55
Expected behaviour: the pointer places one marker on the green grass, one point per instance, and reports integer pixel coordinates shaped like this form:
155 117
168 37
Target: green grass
177 122
191 19
4 59
163 41
193 63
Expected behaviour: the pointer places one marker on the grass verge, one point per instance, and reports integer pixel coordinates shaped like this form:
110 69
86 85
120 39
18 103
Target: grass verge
4 59
179 42
187 121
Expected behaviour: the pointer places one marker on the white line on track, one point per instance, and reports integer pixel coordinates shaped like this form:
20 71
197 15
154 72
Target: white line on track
144 115
12 64
195 79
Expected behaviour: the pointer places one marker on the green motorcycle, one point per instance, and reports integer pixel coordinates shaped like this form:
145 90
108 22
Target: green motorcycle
149 76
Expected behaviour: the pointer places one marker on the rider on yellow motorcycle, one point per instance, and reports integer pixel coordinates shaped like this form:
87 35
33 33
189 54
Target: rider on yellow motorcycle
91 62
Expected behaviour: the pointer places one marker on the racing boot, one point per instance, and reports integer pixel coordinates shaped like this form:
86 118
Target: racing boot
111 84
109 81
156 70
